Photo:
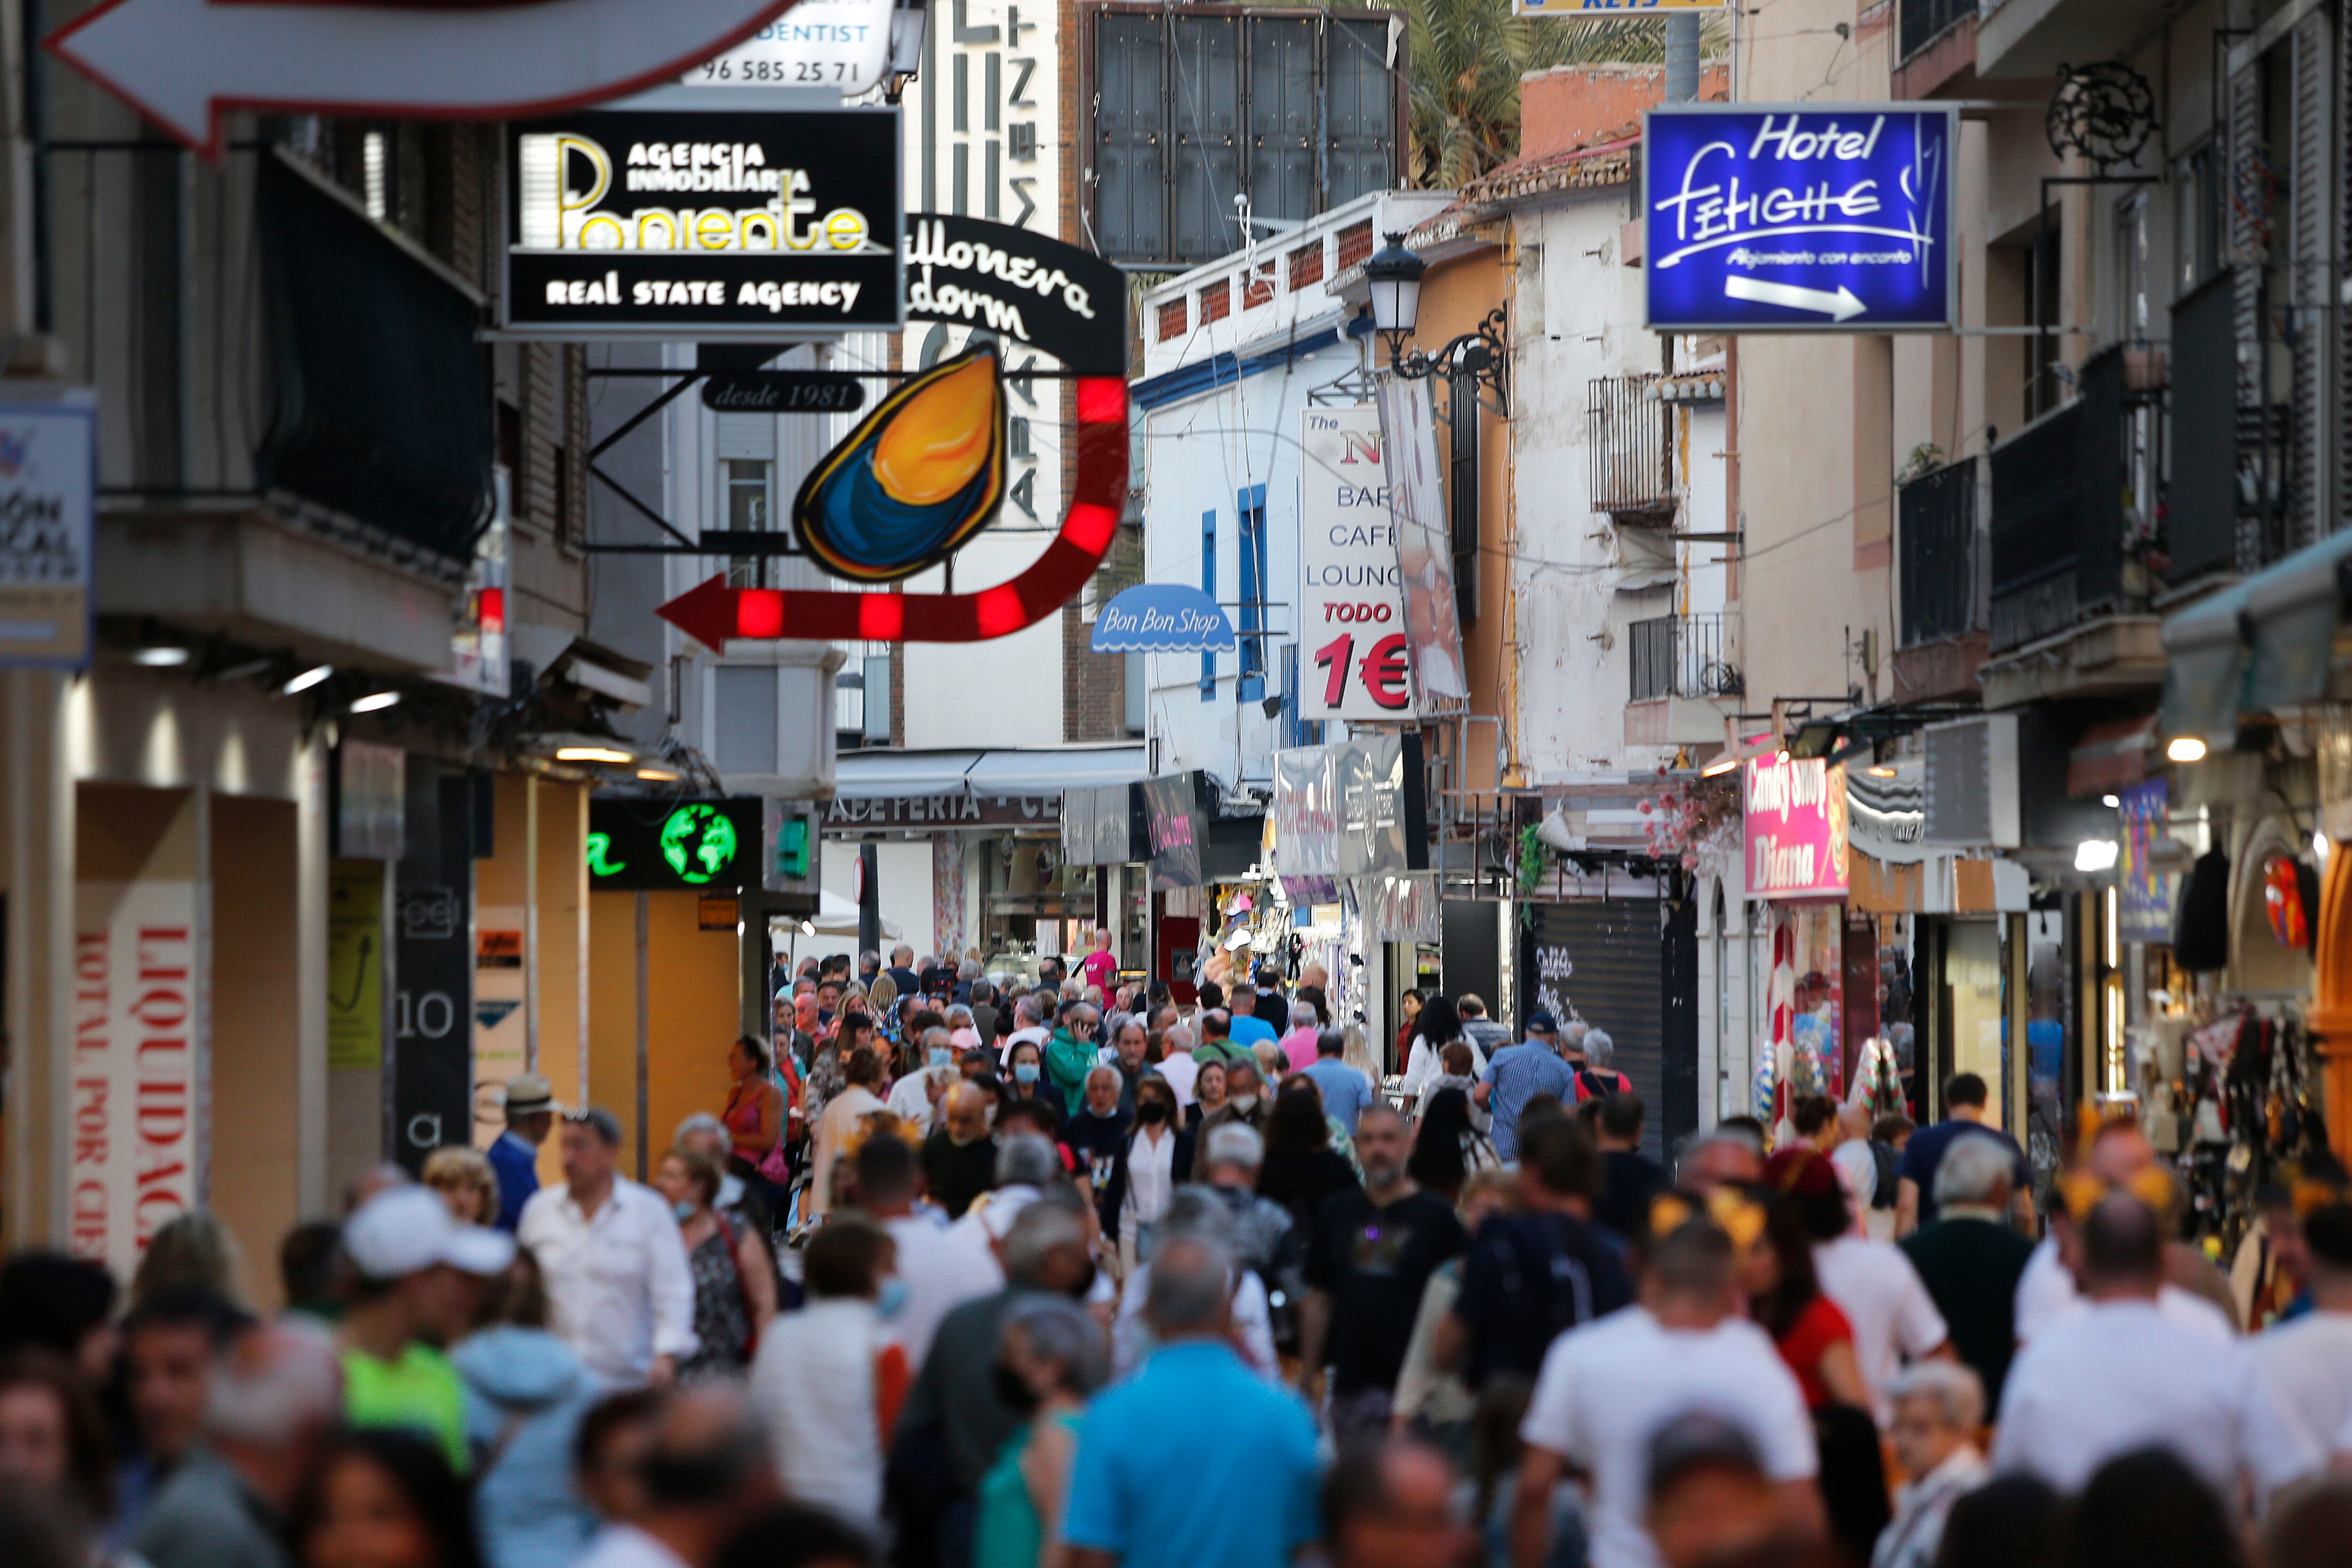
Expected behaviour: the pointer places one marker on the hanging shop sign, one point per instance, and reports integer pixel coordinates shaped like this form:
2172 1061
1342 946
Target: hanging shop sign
1416 479
1353 809
1052 296
1161 617
1351 584
1795 822
2144 894
48 497
698 845
1103 826
709 224
1177 821
877 517
1793 217
920 474
184 64
843 45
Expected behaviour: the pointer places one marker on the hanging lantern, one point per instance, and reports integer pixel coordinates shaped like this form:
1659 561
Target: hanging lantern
2282 898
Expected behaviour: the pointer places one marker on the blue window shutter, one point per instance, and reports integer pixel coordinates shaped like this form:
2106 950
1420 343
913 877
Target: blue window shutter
1251 503
1209 586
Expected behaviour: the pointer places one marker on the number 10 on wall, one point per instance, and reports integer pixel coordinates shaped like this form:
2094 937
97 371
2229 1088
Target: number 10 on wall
1380 674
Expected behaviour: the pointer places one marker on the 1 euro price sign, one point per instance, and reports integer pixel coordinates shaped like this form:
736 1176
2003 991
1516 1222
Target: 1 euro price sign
1351 597
1798 218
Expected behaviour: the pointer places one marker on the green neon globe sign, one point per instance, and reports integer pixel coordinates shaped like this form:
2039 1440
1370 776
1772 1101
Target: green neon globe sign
699 842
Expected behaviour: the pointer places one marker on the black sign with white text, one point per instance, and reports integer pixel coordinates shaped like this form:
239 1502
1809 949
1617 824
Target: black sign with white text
703 222
785 391
1021 286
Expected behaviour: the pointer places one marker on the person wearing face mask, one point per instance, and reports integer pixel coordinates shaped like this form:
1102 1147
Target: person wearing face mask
1029 1080
1094 1135
1153 1160
734 1280
1244 1101
829 1379
915 1098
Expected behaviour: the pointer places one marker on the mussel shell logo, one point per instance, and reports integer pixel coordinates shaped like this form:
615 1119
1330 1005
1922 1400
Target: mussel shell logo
922 474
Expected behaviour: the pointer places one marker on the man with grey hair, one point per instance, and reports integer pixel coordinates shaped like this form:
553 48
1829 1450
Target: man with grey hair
1045 1251
274 1394
902 969
1970 1257
1028 1024
1939 1405
1198 1213
1199 1412
1176 1064
1264 1233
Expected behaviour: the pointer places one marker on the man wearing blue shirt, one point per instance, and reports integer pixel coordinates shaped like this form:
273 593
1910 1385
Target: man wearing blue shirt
1196 1423
1516 1074
514 1158
1346 1090
1248 1029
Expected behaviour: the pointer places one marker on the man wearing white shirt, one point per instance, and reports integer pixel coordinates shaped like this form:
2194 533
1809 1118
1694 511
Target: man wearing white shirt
1893 1319
2307 1360
1177 1066
618 1288
941 1271
2120 1155
2120 1375
1608 1387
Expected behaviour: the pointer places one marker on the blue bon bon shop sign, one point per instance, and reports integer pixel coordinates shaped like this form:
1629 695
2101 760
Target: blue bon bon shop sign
1791 217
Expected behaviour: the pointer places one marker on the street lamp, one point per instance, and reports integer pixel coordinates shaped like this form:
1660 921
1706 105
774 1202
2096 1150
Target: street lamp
1393 274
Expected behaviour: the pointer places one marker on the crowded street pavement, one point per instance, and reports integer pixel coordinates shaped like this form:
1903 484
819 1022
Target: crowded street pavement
1351 783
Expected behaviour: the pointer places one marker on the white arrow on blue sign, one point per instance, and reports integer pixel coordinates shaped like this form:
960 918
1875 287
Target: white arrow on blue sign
1798 218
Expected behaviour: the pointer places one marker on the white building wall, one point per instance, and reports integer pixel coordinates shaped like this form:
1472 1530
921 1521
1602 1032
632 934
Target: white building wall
1581 580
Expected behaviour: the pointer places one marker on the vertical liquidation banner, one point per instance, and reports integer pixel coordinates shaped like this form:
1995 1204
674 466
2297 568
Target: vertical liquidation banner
137 1082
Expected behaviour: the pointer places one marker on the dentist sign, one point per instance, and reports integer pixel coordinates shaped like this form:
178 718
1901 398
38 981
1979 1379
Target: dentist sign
1787 217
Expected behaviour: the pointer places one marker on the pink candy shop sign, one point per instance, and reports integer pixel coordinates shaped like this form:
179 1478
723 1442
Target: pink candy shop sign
1794 822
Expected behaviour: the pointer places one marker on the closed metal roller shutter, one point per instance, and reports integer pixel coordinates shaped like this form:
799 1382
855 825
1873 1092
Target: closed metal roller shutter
1605 963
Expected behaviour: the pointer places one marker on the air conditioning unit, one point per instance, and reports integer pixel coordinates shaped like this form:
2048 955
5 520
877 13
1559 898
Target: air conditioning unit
1972 797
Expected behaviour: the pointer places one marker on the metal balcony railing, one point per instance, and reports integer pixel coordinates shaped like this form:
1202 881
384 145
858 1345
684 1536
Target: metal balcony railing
1681 656
1942 554
1925 21
1629 442
2057 536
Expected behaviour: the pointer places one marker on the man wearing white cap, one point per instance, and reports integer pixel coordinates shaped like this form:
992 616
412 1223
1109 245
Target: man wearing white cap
417 1282
618 1286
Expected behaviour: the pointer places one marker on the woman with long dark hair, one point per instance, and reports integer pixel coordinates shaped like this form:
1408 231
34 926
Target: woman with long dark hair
1440 1026
381 1498
1448 1149
1814 1338
1301 1170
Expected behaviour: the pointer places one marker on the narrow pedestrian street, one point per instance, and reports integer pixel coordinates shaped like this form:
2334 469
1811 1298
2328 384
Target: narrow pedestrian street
1356 783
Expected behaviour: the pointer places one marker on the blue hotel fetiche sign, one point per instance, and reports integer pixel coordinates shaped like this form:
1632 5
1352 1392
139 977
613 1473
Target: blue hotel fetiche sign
1791 217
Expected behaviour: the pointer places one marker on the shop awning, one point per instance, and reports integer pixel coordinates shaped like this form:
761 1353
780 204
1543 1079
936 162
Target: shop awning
880 776
2267 643
1042 771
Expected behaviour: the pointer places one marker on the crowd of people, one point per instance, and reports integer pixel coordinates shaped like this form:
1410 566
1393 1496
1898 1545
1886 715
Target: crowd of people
1067 1275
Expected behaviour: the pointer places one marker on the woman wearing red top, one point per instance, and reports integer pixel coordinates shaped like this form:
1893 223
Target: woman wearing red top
1815 1339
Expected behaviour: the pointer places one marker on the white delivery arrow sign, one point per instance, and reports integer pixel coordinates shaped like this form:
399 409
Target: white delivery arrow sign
1841 306
183 63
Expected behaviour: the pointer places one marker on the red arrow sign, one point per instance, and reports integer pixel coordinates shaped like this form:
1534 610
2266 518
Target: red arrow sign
183 63
712 612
